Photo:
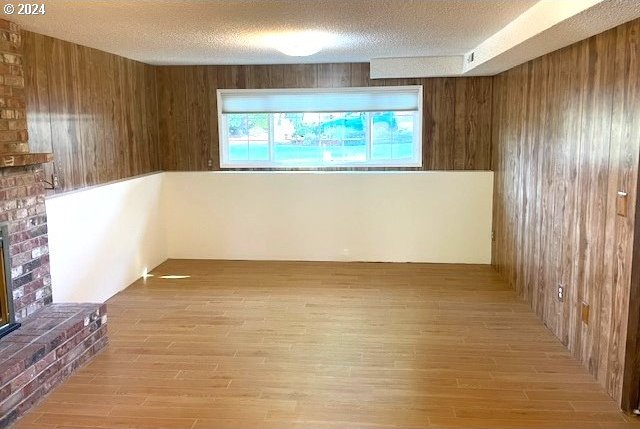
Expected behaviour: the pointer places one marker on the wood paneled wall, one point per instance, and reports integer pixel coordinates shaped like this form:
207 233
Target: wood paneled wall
456 126
97 112
566 139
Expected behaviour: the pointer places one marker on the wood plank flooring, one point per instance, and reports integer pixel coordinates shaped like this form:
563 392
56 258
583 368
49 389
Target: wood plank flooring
326 345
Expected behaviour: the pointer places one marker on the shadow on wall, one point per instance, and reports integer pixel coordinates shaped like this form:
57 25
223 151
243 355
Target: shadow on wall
101 239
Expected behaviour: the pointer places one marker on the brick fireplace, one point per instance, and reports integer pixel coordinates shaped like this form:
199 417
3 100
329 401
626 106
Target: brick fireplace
54 338
22 214
7 315
22 193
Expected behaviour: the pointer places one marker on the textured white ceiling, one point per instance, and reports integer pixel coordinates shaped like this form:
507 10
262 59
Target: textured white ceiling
545 27
226 31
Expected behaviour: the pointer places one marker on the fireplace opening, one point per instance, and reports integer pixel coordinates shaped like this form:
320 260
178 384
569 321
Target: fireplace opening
7 317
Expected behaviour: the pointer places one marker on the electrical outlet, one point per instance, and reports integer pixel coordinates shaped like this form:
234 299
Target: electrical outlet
561 293
621 204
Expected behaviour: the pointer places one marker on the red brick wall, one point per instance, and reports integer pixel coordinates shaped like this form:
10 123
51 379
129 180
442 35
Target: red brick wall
21 190
22 209
13 124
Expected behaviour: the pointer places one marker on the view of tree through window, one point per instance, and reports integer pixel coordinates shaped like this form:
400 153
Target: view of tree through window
309 138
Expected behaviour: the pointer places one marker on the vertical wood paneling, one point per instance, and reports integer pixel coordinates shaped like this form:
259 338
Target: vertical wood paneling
173 126
566 139
124 118
472 142
61 110
457 111
198 112
88 135
301 76
266 76
37 94
212 80
334 75
625 115
151 117
442 103
623 168
599 56
360 74
95 111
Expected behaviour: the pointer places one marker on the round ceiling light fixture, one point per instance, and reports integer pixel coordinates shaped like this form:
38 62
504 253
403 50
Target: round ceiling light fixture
298 43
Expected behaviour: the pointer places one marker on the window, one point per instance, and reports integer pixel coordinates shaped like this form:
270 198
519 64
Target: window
308 128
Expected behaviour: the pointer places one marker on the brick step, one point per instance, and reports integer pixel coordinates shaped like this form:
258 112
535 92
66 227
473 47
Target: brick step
48 347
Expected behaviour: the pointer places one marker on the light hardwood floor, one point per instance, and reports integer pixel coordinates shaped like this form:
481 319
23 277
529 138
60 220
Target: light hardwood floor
326 345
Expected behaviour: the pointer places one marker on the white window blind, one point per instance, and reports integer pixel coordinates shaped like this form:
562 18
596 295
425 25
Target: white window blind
370 99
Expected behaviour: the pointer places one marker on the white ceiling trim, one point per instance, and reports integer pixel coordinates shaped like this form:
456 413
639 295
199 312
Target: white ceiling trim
383 68
539 18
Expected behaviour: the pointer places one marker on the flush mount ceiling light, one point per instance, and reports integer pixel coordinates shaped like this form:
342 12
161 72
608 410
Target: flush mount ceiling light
298 43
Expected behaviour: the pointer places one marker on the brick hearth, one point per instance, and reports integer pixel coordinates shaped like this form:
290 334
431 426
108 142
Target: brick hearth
48 347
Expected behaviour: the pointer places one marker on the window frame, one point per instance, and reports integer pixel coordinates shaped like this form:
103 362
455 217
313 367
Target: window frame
223 137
